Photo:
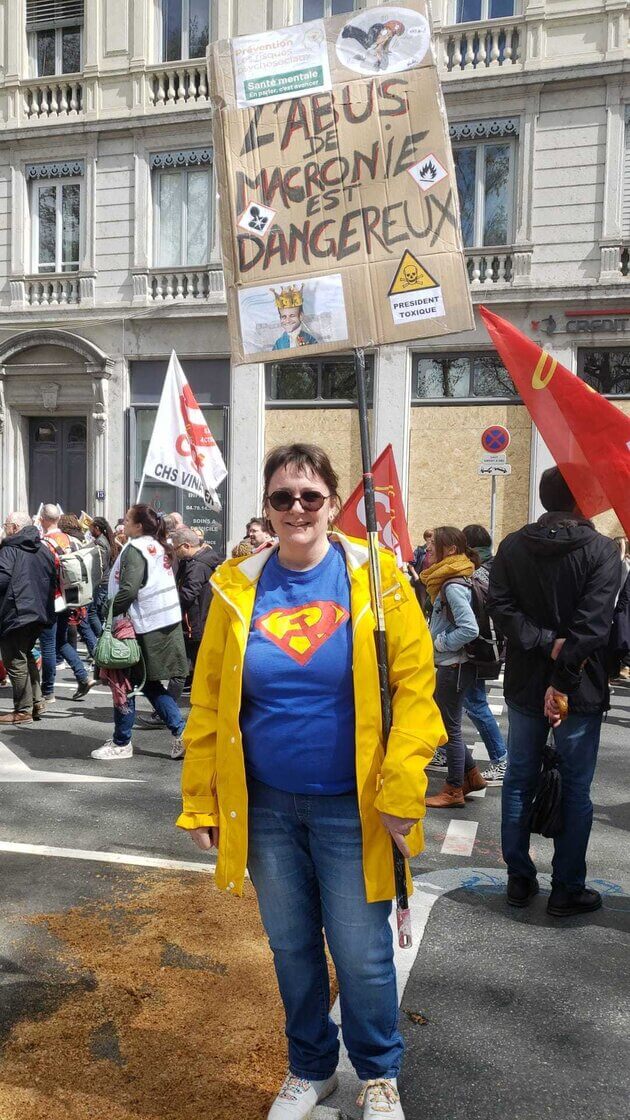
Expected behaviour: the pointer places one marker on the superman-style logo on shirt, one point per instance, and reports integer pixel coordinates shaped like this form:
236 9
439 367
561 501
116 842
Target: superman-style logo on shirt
301 631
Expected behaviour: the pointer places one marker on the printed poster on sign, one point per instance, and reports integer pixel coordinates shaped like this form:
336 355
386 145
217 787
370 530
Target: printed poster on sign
290 316
281 64
414 293
384 40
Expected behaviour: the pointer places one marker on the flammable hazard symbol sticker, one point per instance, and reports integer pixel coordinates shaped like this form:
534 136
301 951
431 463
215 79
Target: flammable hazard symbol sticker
414 294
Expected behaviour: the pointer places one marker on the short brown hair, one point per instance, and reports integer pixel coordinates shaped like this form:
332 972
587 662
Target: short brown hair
306 458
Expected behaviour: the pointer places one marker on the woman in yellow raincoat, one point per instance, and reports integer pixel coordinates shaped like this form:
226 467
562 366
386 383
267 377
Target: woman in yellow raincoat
286 773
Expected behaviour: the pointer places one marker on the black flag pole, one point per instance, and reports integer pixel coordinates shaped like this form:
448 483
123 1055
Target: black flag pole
376 592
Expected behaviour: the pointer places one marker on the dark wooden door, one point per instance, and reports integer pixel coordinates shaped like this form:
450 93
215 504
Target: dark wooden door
58 462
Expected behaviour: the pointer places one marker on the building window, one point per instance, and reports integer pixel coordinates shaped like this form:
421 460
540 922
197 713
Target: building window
55 32
474 11
485 183
182 201
608 371
323 9
460 377
56 192
185 29
315 382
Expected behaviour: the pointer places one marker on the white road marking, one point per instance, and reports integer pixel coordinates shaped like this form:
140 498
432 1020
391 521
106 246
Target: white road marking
496 709
12 769
479 752
477 792
93 691
122 858
460 838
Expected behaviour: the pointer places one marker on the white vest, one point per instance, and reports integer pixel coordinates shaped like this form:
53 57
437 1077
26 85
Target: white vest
157 603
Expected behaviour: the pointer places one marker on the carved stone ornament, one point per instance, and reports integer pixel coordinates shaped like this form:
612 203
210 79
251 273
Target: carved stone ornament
50 395
100 422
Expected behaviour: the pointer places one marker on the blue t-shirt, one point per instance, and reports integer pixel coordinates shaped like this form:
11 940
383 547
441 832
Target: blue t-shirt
297 713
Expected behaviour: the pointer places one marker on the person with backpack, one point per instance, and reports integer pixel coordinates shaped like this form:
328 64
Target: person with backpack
27 593
553 588
53 640
476 698
448 580
142 586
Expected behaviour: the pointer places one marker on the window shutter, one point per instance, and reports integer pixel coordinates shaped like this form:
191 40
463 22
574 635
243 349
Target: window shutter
625 187
52 13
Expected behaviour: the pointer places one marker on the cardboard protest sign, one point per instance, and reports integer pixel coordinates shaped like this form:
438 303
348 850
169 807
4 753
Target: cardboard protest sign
338 204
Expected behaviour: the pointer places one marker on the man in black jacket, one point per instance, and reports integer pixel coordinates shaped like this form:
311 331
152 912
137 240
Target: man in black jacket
197 562
27 595
552 593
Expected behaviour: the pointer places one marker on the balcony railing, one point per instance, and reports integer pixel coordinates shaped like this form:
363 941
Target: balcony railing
176 285
67 289
482 46
500 267
178 83
52 97
615 262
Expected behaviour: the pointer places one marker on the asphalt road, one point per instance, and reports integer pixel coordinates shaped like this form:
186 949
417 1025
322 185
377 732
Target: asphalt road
526 1016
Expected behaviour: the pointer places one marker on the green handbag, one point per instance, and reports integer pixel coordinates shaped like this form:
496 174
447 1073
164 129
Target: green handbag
115 653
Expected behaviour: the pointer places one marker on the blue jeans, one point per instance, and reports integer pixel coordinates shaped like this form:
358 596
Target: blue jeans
48 649
97 610
305 861
477 710
68 652
163 704
577 743
87 632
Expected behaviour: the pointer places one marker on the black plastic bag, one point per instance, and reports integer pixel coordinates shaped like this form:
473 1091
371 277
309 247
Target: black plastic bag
546 814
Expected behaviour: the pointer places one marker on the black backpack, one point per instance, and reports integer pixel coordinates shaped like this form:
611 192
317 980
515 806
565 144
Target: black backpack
486 652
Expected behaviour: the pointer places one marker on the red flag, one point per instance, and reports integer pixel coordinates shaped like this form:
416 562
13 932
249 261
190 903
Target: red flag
588 436
390 511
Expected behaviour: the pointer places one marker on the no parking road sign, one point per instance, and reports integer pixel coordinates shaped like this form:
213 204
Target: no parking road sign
495 440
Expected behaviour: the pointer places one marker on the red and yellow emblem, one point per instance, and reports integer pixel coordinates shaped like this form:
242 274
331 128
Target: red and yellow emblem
301 631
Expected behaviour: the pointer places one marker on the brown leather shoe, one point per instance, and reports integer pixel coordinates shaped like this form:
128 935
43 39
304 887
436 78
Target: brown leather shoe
449 797
473 781
39 709
16 717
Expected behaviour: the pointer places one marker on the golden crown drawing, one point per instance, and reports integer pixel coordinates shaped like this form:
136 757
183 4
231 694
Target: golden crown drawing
288 297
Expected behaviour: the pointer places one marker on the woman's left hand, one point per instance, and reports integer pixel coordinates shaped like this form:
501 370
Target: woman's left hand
398 828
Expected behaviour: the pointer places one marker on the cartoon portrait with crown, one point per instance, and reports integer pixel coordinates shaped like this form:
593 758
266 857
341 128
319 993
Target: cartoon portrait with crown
311 311
290 304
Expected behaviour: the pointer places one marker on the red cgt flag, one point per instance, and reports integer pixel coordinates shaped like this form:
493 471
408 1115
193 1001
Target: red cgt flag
390 511
587 435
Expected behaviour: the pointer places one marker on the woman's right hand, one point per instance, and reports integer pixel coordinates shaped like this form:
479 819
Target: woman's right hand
205 838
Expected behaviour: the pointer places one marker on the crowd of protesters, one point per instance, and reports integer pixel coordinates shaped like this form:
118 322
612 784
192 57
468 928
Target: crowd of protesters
313 803
152 584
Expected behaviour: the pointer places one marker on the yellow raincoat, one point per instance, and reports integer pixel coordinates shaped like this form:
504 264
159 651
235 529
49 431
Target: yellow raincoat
213 778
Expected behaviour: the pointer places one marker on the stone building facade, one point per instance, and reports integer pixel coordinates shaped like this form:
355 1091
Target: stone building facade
109 252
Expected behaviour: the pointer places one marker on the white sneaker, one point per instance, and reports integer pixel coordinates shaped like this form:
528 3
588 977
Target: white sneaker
178 749
110 751
380 1098
495 774
297 1097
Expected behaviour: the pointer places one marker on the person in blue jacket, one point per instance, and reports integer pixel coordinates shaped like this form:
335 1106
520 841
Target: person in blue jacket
448 580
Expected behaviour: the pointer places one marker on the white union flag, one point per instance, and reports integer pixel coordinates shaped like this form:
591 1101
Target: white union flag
183 451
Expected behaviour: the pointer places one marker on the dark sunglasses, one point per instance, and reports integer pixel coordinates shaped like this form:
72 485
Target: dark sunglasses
283 500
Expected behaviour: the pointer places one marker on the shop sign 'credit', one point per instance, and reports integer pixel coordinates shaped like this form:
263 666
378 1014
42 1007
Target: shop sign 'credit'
338 204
